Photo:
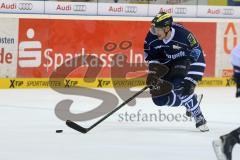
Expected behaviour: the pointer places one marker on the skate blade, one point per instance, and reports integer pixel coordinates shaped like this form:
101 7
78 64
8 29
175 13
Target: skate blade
217 147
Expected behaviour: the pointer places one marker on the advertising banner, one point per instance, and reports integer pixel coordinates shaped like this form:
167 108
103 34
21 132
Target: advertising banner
175 10
20 83
8 47
47 44
218 11
11 6
228 36
122 9
78 8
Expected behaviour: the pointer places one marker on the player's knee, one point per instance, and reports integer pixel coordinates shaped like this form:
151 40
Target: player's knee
171 100
174 100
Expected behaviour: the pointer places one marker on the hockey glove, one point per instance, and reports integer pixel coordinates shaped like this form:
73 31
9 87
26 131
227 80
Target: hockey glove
157 85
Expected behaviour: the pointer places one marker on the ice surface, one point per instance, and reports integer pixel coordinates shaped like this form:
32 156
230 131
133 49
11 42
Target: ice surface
28 124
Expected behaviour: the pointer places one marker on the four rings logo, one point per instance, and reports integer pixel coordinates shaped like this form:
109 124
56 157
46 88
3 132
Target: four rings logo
79 8
25 6
180 10
228 11
130 9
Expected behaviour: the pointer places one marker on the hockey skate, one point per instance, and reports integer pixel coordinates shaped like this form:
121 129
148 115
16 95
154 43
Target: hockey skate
192 104
201 123
223 147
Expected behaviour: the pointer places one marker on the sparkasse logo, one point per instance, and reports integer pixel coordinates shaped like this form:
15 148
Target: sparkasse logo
30 51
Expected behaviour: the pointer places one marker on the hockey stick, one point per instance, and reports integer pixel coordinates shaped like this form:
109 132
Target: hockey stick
81 129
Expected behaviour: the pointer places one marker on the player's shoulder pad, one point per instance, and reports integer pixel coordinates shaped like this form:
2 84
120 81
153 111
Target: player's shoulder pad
186 35
182 31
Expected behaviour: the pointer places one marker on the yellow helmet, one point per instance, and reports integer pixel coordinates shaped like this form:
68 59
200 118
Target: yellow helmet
162 19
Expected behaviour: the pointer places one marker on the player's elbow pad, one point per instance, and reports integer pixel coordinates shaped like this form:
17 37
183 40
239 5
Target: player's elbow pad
195 54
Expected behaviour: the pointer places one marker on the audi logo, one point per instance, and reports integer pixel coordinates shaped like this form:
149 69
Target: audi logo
79 8
130 9
25 6
180 10
228 11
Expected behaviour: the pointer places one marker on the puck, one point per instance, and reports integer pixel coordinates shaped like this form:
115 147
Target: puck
59 131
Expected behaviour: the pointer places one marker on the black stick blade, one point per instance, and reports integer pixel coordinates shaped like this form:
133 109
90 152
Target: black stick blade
76 127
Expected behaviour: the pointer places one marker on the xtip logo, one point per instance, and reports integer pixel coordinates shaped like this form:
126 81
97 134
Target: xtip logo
70 83
30 51
103 83
230 82
14 83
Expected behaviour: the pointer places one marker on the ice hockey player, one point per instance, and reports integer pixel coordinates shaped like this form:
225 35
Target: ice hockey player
170 44
236 67
223 147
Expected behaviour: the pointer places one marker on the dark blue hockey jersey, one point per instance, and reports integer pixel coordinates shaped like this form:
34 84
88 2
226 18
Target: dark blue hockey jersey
182 45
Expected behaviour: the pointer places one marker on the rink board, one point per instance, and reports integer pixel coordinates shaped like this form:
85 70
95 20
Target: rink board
18 83
38 47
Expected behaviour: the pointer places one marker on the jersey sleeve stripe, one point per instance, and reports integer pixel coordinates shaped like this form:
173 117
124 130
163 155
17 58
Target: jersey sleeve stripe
195 73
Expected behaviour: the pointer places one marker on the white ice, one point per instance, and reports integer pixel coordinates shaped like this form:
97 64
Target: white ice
28 124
